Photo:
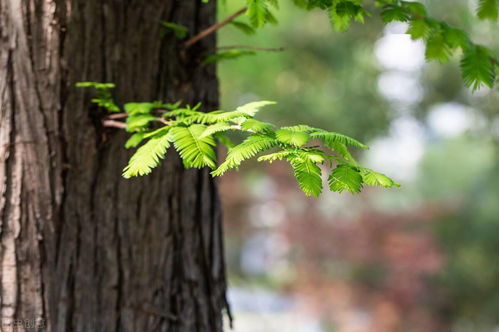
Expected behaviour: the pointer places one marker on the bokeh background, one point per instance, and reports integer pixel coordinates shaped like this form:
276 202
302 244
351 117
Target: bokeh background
424 257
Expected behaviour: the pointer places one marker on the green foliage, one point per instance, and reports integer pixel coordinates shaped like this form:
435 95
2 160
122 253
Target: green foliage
341 13
477 67
138 108
441 39
308 174
346 177
488 9
179 30
147 156
295 138
194 135
244 27
247 149
259 13
196 151
391 13
377 179
227 55
103 98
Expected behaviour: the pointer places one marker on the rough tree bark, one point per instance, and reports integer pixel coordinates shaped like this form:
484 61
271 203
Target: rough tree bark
82 249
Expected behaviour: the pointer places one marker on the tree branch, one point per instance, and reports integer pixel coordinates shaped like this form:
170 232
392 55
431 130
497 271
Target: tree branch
115 116
114 124
208 31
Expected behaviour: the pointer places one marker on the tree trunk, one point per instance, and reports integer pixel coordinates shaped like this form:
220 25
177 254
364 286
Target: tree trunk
83 249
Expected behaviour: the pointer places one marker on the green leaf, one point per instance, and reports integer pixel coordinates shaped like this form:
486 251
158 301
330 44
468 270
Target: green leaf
488 9
271 157
303 128
246 150
372 178
138 108
139 121
341 14
456 38
134 140
254 107
216 128
392 13
415 8
296 138
179 30
103 98
308 175
342 150
95 85
255 125
437 48
238 116
147 156
418 28
477 67
274 3
257 12
332 137
345 177
227 55
246 28
196 151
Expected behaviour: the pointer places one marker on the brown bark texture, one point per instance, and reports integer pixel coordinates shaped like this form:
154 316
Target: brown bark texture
81 248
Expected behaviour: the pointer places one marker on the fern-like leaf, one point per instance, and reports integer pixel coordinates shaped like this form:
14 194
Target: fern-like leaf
138 108
392 13
345 177
437 48
147 156
227 55
134 140
139 121
255 125
488 9
241 113
257 12
342 150
216 128
271 157
196 151
308 175
254 107
247 149
372 178
418 28
247 29
331 137
303 128
296 138
478 68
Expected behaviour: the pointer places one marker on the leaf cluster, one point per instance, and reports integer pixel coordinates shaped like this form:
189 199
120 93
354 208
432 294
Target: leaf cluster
195 134
103 98
478 65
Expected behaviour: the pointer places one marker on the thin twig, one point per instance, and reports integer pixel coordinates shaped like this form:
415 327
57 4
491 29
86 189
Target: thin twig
115 116
208 31
114 124
256 48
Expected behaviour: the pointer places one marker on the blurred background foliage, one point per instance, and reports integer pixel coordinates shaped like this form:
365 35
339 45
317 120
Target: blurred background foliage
420 258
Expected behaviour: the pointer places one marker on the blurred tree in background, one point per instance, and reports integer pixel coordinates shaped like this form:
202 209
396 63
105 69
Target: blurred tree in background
422 258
